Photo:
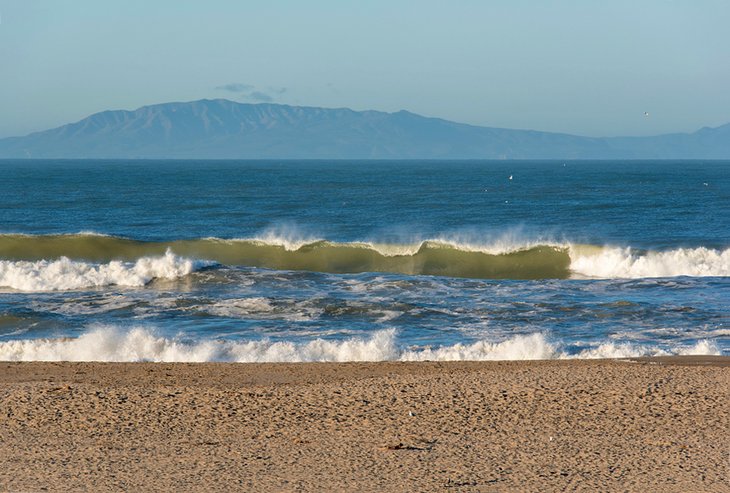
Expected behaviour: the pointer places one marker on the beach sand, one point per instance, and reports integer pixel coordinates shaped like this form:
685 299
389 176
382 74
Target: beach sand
658 424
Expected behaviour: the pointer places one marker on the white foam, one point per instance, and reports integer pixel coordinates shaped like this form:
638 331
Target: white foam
701 348
64 274
621 350
288 236
142 344
610 262
628 350
521 347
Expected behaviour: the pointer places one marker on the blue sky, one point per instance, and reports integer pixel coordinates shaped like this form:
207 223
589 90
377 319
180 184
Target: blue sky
584 67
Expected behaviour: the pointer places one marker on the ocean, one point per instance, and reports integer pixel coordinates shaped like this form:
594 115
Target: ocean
243 261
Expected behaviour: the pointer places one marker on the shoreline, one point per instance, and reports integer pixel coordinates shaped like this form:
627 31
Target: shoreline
637 424
274 373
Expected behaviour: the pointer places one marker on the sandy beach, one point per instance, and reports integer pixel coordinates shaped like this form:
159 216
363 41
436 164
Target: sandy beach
642 425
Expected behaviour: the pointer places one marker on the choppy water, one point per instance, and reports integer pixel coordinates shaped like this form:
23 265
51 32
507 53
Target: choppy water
300 261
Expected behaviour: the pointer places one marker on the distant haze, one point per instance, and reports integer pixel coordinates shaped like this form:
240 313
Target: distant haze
223 129
585 68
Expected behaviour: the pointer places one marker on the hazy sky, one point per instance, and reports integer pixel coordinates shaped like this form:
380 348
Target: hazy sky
581 66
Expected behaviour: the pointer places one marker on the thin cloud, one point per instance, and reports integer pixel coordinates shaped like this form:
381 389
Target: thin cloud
235 87
249 92
259 96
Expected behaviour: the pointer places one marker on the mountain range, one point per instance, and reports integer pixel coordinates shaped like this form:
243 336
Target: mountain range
223 129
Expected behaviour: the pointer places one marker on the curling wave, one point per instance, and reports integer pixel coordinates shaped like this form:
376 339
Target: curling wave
536 260
427 257
140 344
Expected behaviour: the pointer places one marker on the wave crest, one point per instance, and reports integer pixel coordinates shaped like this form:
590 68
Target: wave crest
504 259
141 344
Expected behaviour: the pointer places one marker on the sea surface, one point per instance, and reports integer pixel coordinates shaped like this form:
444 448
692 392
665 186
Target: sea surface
363 260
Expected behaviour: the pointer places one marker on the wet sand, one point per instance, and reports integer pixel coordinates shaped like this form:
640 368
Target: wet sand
657 424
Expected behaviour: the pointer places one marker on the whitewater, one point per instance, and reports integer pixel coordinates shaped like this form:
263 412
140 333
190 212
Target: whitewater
137 344
364 261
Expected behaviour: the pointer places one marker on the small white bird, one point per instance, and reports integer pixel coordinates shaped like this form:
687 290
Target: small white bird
646 114
510 177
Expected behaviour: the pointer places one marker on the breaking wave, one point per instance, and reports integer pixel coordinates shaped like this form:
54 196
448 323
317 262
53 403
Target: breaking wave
140 344
607 262
517 260
65 274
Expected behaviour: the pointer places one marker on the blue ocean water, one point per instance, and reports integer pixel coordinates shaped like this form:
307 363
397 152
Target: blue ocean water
362 260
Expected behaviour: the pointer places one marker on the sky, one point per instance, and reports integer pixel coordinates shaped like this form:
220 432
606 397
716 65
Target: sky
585 67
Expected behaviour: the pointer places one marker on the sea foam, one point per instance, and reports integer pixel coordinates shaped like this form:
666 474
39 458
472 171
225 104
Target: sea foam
142 344
610 262
66 274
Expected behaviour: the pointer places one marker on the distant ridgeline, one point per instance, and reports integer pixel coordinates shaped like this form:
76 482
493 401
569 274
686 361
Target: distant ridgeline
222 129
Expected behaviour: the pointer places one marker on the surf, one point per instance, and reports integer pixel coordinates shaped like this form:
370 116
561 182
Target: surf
66 274
116 344
76 260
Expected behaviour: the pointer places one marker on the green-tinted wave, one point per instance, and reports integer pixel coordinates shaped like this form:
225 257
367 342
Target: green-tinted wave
429 258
